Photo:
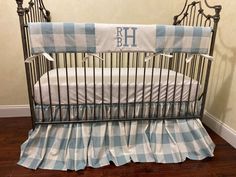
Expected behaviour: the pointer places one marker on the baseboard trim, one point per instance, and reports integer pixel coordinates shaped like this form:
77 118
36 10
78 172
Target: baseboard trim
14 111
220 128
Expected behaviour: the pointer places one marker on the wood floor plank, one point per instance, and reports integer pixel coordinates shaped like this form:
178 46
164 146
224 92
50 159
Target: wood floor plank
6 168
15 132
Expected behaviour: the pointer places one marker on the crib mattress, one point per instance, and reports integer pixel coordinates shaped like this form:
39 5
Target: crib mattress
169 85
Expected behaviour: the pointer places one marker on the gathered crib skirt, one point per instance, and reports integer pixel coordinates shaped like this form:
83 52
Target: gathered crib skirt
76 146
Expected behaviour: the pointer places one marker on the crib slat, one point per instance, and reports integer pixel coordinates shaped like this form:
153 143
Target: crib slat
58 85
49 91
167 85
94 88
159 87
193 63
177 57
203 69
111 57
120 59
127 88
182 85
198 83
102 86
32 81
76 85
135 85
40 88
194 15
67 87
36 10
144 79
40 13
202 75
151 89
85 88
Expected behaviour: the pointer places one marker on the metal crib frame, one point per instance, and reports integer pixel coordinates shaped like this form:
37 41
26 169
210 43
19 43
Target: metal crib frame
198 69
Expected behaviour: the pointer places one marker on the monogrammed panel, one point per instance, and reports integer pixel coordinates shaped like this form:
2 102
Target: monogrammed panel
95 38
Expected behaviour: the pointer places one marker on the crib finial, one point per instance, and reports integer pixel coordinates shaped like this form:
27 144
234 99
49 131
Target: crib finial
217 8
20 9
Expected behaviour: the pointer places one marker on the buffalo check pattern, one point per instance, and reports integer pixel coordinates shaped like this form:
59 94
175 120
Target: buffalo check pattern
76 146
195 40
83 37
62 37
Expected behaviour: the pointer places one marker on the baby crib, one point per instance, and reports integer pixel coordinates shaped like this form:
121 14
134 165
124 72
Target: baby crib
100 97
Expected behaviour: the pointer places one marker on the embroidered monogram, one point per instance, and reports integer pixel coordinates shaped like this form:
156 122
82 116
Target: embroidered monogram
125 35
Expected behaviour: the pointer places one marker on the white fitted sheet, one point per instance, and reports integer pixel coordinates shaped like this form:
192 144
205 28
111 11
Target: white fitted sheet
188 91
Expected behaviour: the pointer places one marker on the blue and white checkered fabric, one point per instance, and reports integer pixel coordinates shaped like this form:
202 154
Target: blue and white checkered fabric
77 146
62 37
187 39
95 38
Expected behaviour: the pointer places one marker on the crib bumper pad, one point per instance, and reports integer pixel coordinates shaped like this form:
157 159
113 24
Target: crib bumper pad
77 146
95 38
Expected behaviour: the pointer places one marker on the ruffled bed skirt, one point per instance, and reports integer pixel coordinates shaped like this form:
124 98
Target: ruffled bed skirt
76 146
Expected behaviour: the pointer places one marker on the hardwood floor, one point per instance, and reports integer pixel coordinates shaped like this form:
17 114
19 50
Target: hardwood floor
13 133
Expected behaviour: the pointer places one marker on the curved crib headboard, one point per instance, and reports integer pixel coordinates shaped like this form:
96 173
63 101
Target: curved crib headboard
193 14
